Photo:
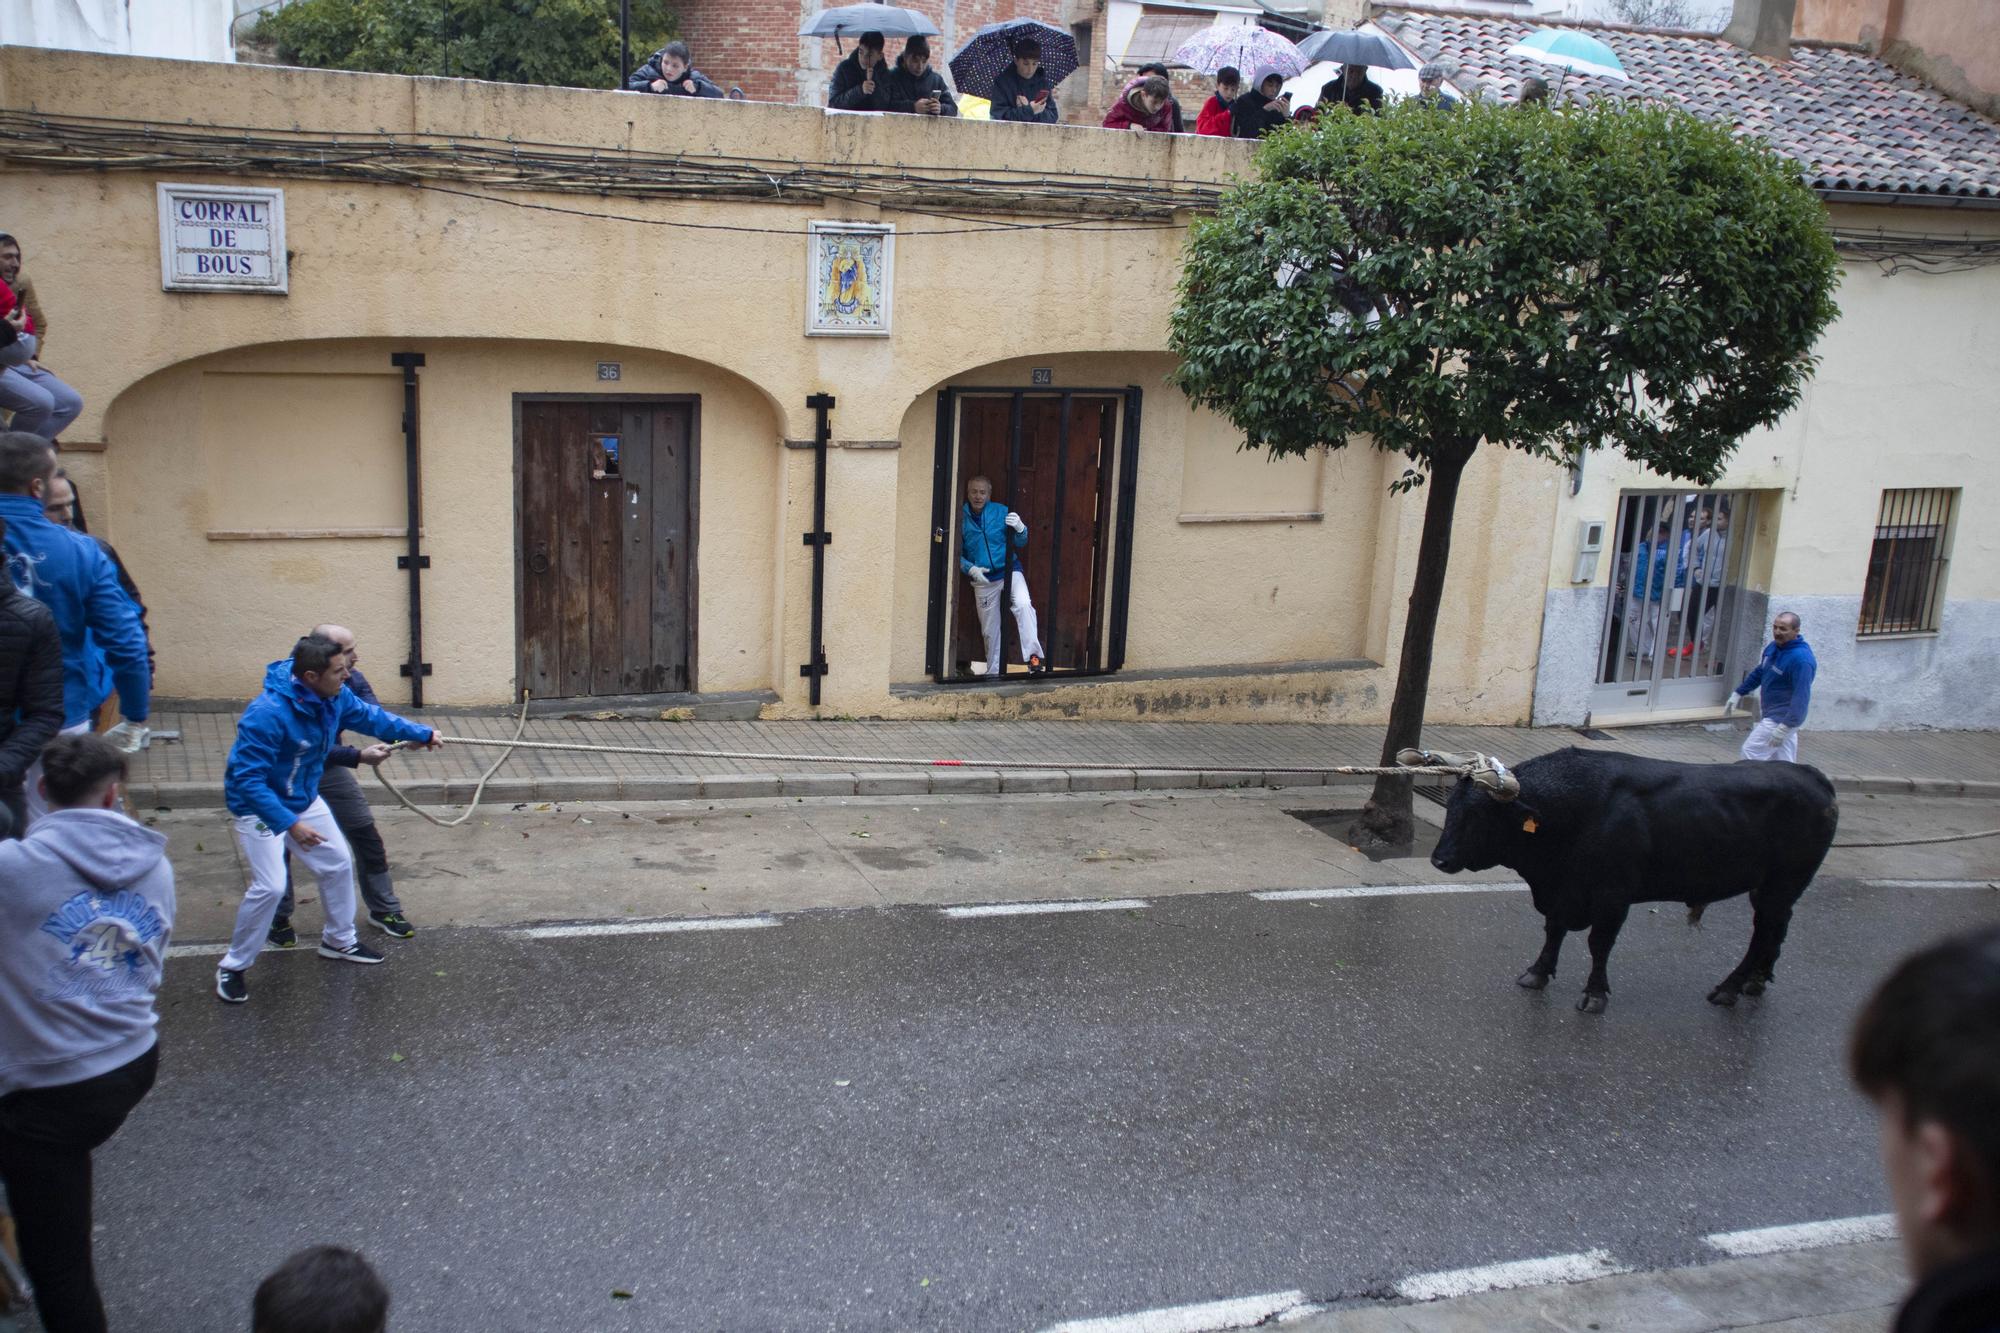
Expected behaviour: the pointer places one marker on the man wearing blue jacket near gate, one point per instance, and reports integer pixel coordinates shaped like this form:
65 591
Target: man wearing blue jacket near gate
271 786
103 642
1783 680
990 539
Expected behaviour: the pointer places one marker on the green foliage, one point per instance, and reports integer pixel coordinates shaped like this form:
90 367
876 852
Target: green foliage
569 43
1624 275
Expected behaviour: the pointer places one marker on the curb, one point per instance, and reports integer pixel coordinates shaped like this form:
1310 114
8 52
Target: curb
907 782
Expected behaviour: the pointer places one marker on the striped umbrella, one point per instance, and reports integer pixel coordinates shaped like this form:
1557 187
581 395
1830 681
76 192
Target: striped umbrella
991 49
1572 52
1245 46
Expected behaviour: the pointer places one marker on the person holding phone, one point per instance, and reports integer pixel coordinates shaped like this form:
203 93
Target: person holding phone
1262 108
1022 91
916 88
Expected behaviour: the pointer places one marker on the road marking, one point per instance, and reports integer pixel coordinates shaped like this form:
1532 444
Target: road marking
1029 909
1930 883
1505 1277
1384 891
1243 1312
645 927
1804 1235
205 950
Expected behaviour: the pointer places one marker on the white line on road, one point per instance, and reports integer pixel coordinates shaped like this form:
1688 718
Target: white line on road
1384 891
1804 1235
1504 1277
1243 1312
204 950
645 927
1029 909
1930 883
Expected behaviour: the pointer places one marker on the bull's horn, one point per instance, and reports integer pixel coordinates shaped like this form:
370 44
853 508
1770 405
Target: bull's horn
1493 777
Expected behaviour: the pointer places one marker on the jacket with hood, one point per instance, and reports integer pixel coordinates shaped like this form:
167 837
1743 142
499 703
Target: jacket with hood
1213 119
282 742
641 80
1783 680
907 89
1008 84
1126 112
31 684
104 645
985 540
848 76
86 908
1248 116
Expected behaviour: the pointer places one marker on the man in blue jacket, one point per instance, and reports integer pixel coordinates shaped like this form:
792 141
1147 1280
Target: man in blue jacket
990 538
271 786
103 642
1783 680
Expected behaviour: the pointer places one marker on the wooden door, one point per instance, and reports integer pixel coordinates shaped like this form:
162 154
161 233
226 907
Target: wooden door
606 547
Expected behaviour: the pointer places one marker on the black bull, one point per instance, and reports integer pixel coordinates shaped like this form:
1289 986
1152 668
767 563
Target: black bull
1593 833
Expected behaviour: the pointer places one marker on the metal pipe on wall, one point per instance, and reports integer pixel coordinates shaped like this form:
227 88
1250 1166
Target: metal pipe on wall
819 539
413 559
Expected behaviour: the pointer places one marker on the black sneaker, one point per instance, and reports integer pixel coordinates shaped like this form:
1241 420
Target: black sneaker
356 952
393 924
230 987
281 935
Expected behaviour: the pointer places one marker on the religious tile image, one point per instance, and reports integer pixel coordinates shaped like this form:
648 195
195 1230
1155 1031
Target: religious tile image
851 279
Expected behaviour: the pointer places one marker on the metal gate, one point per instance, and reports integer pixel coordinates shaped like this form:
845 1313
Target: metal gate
1671 622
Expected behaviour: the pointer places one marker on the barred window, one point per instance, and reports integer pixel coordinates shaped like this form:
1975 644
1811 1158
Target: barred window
1906 566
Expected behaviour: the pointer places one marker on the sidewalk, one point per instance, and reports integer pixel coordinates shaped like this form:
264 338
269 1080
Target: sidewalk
1148 756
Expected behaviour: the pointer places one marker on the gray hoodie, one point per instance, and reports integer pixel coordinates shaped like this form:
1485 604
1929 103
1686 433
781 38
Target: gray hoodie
86 908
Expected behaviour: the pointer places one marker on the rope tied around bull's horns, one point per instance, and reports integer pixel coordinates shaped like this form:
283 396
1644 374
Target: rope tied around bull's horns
1414 764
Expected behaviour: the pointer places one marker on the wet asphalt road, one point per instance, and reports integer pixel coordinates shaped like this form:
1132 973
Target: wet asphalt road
887 1119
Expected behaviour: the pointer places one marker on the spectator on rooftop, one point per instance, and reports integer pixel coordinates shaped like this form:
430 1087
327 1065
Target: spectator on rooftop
915 87
1213 118
1430 87
1179 124
1353 89
1262 108
1022 91
1534 92
861 82
1142 106
671 71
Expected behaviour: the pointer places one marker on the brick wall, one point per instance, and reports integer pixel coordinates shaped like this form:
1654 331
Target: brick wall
754 44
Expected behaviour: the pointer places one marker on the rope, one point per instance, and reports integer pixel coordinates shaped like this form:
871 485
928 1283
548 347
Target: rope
473 804
1925 842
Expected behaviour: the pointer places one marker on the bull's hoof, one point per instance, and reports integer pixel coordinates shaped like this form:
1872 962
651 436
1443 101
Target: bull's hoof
1592 1003
1532 980
1754 986
1724 996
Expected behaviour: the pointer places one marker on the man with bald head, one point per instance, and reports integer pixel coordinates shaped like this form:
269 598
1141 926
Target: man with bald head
340 788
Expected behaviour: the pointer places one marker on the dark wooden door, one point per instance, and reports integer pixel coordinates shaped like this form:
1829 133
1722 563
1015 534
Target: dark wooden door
1059 482
606 548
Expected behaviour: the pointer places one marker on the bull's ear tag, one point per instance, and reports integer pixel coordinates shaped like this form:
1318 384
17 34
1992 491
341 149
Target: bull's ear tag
1529 825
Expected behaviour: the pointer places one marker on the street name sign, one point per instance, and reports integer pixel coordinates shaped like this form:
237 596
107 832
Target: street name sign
222 238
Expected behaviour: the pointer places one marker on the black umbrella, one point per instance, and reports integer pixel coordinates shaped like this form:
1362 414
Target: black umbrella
1354 47
853 20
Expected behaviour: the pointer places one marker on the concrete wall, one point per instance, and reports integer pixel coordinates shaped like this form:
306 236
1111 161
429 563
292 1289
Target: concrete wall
210 416
1905 397
1953 44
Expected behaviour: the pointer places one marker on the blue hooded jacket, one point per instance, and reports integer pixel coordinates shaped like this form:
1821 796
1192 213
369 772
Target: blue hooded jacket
282 741
983 540
103 643
1783 681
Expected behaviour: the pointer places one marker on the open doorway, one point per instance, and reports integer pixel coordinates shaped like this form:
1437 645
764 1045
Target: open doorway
1064 461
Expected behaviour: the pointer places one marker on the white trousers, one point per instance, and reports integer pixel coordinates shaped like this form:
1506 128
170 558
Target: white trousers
987 594
1761 743
331 863
37 805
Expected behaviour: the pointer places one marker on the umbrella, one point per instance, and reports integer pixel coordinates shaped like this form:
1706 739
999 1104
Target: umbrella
991 49
1354 47
1245 46
851 20
1572 52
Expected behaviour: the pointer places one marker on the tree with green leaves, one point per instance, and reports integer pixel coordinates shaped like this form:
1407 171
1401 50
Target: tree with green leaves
1552 282
567 43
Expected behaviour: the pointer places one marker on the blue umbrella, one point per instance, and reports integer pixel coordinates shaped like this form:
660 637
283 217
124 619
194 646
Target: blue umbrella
1571 52
991 49
853 20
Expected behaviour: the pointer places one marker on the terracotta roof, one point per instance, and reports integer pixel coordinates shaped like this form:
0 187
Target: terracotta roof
1854 121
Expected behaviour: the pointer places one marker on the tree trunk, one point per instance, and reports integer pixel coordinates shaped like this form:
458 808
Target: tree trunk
1387 818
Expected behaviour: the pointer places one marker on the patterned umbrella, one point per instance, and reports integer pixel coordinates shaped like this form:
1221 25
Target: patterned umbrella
1354 47
1245 46
1572 52
991 49
853 20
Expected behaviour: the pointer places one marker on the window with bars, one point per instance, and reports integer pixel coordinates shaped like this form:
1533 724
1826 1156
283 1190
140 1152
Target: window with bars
1906 566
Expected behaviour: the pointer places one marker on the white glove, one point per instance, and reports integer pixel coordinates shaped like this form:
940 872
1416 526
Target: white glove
1014 522
1732 705
131 737
1779 732
978 573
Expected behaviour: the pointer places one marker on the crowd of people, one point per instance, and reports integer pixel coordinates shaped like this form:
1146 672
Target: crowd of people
866 80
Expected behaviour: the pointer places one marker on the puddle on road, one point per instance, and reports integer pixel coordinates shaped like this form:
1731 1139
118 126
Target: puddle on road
1335 823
